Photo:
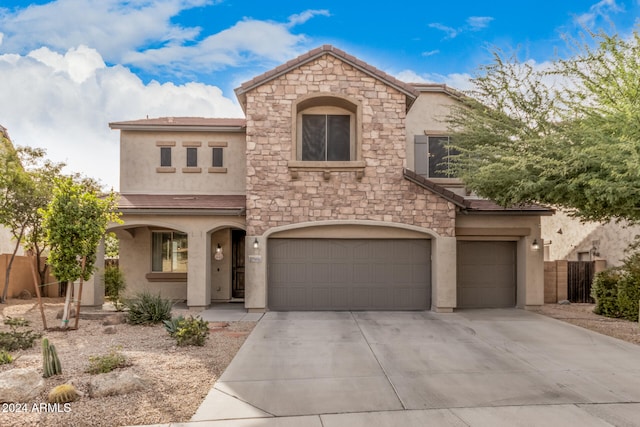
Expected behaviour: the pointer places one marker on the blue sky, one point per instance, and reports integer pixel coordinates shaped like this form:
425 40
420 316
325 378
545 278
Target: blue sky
69 67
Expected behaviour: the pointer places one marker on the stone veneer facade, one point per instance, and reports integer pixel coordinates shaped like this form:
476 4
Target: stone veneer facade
276 198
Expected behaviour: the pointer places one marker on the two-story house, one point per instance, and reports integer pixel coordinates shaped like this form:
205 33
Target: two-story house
332 194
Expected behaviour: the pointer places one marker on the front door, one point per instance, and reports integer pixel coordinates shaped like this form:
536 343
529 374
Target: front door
237 263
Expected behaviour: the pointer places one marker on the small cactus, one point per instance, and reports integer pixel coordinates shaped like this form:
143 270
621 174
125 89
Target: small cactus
63 394
50 361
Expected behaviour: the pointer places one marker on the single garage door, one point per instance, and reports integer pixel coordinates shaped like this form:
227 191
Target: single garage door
486 274
341 274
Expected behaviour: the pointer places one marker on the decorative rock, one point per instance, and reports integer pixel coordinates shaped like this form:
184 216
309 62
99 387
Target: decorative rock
115 319
25 294
115 383
109 330
20 385
564 302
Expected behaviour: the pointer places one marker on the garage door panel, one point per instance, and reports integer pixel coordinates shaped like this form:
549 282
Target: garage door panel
486 274
362 274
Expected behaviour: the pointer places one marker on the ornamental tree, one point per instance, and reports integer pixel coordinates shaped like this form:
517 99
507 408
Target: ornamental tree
75 221
567 136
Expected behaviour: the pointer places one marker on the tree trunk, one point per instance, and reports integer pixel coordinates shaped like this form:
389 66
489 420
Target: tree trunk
67 302
8 272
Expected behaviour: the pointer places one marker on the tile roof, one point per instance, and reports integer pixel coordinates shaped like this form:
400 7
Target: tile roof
313 54
437 87
195 202
184 123
474 205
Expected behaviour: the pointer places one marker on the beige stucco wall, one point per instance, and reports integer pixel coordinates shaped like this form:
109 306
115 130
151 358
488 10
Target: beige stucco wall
7 243
612 238
140 158
426 115
529 263
203 277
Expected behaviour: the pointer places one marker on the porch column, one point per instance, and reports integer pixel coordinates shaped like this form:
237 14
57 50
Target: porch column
199 264
530 268
443 276
255 270
93 289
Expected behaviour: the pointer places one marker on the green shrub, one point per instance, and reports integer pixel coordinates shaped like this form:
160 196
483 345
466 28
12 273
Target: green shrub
148 309
189 331
107 362
628 296
15 339
604 291
114 285
5 357
172 325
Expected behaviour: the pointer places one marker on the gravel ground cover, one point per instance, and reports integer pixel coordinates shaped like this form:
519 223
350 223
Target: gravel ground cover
177 378
582 315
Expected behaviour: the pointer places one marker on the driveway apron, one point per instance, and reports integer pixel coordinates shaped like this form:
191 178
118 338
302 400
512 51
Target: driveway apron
465 368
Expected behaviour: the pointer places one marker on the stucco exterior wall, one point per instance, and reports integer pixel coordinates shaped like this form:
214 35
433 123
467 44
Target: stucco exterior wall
275 198
140 160
427 114
203 277
612 239
529 262
7 244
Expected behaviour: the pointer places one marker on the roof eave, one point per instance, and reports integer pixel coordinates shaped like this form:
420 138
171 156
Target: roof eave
183 211
176 128
411 93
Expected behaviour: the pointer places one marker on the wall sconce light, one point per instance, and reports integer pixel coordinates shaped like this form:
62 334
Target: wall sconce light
535 246
256 244
218 256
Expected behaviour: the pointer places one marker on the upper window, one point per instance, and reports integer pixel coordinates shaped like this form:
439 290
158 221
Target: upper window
217 157
165 156
169 252
192 157
432 156
326 129
326 137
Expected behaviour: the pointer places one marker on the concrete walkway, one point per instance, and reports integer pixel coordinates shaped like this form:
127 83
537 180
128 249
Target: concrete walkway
470 368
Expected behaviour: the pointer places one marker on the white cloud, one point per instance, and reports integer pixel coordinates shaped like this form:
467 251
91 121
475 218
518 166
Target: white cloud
431 52
247 40
64 103
474 23
602 9
459 81
478 22
301 18
122 31
449 31
113 27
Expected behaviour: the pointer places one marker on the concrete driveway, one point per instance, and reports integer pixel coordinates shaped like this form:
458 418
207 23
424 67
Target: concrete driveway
471 368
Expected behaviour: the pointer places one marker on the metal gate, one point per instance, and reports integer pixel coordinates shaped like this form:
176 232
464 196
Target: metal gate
579 279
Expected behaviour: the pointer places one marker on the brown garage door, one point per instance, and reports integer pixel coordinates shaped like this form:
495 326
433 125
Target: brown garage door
340 274
486 274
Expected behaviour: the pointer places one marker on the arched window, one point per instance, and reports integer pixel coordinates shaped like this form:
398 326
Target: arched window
327 129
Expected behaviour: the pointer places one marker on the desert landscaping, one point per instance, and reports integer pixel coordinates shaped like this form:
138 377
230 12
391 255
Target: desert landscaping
162 383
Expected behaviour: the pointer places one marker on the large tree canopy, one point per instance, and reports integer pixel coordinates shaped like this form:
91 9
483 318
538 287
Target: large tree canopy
567 136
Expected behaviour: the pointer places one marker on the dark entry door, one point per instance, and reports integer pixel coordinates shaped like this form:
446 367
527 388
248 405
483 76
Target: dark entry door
237 263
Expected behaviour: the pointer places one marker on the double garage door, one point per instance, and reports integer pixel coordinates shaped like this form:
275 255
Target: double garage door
349 274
